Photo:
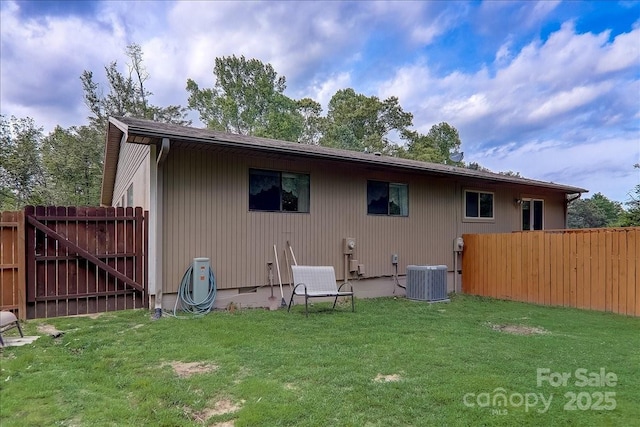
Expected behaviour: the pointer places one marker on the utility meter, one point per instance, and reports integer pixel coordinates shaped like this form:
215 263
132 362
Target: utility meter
458 244
348 245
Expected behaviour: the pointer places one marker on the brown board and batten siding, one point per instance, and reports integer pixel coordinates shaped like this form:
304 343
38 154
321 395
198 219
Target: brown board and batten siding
205 203
206 214
507 213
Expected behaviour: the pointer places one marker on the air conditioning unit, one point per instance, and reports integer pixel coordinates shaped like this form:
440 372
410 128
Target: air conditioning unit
427 283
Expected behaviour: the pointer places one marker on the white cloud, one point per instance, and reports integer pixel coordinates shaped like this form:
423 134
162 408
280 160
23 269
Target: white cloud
42 60
533 92
541 9
623 53
427 33
548 111
323 91
503 18
503 55
601 165
566 101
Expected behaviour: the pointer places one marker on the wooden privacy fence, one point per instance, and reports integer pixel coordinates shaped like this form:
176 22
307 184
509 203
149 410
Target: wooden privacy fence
596 269
12 263
59 261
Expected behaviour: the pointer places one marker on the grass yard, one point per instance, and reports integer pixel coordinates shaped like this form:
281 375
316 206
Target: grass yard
394 362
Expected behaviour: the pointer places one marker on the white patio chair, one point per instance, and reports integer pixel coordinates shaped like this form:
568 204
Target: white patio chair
316 282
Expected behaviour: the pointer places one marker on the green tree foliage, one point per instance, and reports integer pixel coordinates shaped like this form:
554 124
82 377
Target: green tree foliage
477 167
311 120
72 159
419 147
248 98
511 173
127 95
584 214
612 210
631 217
436 146
362 123
21 175
446 139
596 212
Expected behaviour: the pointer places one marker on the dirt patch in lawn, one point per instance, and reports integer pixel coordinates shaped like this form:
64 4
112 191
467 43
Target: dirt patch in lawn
387 378
518 329
49 330
186 369
89 315
220 407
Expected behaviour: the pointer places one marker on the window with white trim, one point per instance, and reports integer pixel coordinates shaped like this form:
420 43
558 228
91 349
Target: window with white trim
478 205
387 198
275 191
532 214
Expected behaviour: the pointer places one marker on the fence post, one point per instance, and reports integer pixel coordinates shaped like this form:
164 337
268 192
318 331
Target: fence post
22 280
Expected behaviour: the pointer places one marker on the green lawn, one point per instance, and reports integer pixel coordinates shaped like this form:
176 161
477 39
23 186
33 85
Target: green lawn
392 362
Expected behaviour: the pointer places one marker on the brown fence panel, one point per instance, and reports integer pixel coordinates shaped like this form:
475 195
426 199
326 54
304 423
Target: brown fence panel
595 269
84 260
12 263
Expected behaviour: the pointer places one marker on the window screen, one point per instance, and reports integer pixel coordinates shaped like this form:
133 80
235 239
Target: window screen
384 198
478 204
278 191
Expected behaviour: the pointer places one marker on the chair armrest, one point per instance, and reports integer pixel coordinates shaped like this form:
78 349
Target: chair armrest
296 287
346 283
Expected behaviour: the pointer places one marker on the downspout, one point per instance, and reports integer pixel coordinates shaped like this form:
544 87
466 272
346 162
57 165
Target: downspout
566 207
155 246
458 209
574 198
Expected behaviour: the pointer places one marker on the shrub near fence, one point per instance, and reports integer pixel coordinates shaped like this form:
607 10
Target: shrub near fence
12 263
595 269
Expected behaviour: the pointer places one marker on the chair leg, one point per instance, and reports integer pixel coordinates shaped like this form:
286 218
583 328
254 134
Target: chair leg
1 342
290 301
19 328
306 306
334 302
353 305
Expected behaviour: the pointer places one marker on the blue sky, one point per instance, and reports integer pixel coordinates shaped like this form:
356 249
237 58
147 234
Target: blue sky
548 89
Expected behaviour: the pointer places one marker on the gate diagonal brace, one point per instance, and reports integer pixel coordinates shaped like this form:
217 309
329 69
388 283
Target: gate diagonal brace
85 254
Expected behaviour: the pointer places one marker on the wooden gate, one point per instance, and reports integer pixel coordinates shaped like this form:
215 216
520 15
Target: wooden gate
85 260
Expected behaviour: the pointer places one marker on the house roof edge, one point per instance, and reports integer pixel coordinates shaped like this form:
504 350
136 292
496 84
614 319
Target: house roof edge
133 128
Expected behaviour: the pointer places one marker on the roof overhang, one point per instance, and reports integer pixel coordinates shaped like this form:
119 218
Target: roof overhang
140 131
116 134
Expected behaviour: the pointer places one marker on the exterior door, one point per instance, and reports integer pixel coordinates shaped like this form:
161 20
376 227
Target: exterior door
532 214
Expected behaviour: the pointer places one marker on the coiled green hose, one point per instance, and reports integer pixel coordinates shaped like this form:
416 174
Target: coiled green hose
185 294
